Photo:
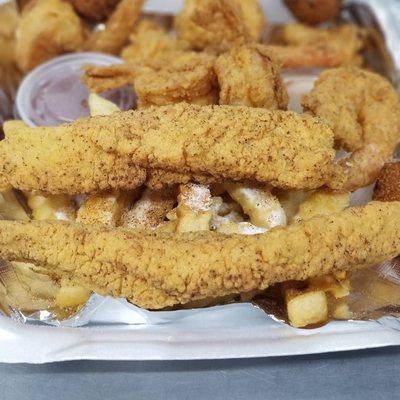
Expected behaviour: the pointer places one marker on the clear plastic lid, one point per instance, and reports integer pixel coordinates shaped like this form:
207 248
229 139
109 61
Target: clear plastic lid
53 93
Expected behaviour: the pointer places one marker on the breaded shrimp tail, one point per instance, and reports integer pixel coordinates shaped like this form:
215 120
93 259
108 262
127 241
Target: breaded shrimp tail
159 270
283 148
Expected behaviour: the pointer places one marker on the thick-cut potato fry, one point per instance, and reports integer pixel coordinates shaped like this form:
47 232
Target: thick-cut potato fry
105 209
10 207
51 207
194 208
260 205
150 210
305 308
70 295
323 203
100 106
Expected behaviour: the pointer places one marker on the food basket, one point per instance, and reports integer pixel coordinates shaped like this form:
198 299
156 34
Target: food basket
113 329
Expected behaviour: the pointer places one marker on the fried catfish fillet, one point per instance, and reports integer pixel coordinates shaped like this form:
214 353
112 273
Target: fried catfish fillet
283 148
155 270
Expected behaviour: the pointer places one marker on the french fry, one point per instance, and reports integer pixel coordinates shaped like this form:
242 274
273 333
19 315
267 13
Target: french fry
263 208
71 296
150 210
100 106
194 208
51 207
106 209
322 203
305 307
10 207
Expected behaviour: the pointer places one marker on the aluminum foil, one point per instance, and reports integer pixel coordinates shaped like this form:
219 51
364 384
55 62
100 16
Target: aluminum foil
382 19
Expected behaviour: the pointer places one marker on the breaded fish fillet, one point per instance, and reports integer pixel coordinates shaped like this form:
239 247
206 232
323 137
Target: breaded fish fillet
159 270
283 148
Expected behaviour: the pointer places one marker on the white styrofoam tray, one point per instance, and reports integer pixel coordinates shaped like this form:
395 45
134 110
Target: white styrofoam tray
232 331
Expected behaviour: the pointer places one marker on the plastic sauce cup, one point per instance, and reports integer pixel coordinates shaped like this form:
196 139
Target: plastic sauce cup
53 93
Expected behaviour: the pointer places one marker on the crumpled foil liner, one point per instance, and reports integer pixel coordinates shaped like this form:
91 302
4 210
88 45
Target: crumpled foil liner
375 291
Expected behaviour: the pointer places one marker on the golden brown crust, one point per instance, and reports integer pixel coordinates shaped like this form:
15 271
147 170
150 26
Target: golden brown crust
150 41
159 270
250 75
172 77
285 149
363 109
47 28
100 79
388 184
175 77
117 29
315 11
213 25
96 10
306 47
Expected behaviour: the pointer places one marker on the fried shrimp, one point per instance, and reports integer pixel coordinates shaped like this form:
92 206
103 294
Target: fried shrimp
363 109
156 270
306 47
177 77
47 29
149 41
117 28
250 75
173 77
214 25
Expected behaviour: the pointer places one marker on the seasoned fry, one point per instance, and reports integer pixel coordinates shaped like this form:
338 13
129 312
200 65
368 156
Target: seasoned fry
194 208
250 75
51 207
113 152
100 106
260 205
150 209
117 28
105 209
159 270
